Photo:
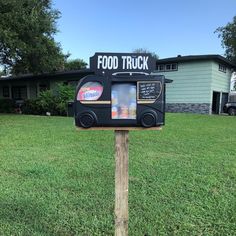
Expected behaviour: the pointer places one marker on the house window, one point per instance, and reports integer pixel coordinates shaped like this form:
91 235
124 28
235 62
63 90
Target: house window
167 67
161 67
19 92
5 92
222 68
174 66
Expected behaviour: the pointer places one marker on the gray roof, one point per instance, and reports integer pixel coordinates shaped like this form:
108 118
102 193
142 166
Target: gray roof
58 74
212 57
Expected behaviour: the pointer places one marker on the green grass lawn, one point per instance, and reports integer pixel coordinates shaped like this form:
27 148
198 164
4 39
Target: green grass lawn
55 180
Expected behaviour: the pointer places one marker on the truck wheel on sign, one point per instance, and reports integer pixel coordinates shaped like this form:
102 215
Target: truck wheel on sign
148 119
86 119
232 111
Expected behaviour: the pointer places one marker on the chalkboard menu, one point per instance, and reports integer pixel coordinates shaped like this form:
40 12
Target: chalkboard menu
149 90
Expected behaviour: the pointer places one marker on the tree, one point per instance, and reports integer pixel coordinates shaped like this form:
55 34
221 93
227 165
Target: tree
76 64
144 50
228 39
1 72
27 28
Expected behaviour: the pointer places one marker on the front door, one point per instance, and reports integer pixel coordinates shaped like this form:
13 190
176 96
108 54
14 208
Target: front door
216 102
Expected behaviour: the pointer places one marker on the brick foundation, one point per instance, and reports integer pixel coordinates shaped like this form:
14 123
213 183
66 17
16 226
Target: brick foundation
200 108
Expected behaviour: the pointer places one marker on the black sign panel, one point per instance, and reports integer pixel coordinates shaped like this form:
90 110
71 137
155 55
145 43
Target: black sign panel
149 90
120 101
111 63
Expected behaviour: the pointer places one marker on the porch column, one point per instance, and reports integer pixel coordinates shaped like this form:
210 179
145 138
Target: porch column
28 91
220 102
10 91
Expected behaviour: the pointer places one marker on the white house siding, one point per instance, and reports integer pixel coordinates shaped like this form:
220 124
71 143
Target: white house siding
190 90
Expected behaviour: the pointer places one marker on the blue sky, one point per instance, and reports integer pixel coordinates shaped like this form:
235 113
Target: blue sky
168 28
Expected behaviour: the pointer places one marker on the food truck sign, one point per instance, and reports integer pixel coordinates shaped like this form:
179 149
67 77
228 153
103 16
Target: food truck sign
122 92
111 63
122 95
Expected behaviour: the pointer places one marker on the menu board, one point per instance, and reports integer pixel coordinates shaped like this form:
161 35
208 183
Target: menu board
149 90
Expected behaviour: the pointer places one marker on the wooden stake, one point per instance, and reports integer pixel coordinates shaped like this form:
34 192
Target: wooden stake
121 182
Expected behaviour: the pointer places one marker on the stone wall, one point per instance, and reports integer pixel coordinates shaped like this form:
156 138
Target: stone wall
200 108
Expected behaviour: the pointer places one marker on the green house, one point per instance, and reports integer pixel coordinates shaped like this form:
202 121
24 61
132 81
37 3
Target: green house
201 83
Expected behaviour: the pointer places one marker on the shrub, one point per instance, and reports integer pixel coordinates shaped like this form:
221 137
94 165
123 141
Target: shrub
64 94
47 102
54 101
7 106
32 106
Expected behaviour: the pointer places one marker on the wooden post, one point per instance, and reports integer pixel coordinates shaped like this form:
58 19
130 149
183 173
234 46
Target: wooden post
121 182
121 174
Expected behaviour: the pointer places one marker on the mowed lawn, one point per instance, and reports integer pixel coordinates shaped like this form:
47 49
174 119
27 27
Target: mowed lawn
55 180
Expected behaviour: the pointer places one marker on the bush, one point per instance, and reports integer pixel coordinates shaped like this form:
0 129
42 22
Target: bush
7 106
48 102
64 94
32 106
54 101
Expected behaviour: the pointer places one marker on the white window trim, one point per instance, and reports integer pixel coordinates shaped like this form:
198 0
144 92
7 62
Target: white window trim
222 68
165 67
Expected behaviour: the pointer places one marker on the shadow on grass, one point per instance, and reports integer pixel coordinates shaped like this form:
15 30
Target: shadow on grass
22 215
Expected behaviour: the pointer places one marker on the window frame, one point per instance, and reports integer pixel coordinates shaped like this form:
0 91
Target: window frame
161 67
19 91
222 68
176 66
5 91
167 67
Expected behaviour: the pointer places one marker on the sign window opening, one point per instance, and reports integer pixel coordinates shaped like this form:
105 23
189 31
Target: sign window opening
123 101
90 91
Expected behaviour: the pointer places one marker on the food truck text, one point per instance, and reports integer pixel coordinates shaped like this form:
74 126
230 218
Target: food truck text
127 62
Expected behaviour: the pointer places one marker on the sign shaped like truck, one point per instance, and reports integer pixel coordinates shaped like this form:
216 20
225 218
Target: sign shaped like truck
121 93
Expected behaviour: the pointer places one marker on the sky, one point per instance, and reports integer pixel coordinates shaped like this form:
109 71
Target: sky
168 28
